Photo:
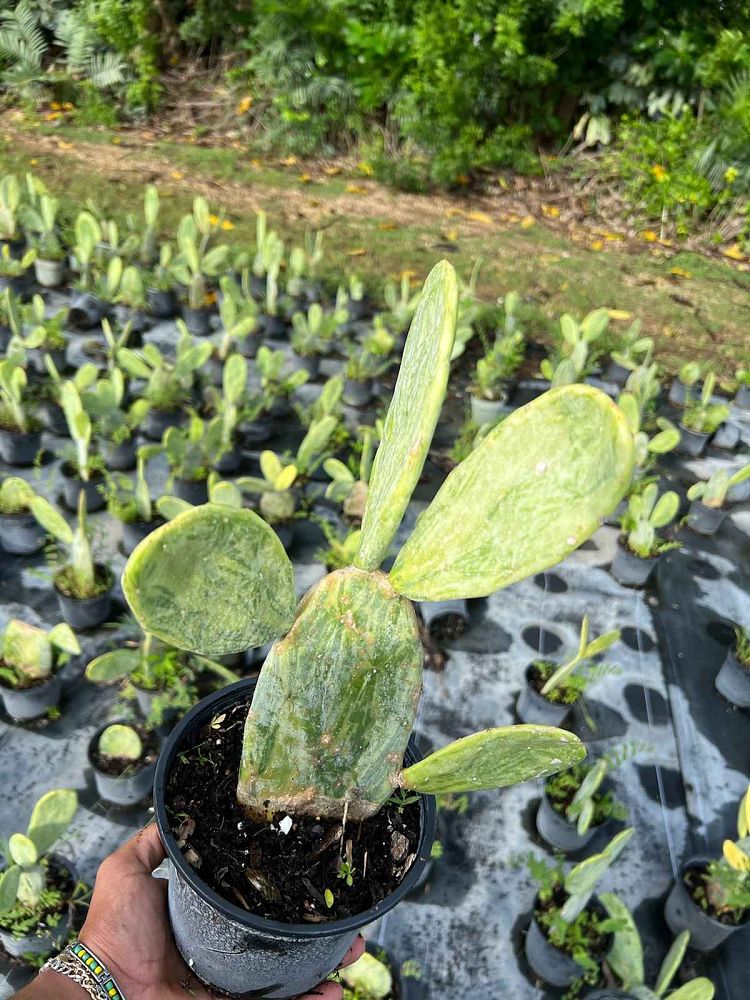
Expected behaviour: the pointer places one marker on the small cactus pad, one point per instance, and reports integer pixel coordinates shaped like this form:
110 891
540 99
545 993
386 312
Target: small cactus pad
120 741
535 488
51 817
412 415
335 703
215 580
494 758
113 666
625 956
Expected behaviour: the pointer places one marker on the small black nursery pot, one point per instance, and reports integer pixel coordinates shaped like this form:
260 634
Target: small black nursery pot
445 619
73 485
681 912
21 533
742 399
157 421
49 273
238 952
733 681
691 443
631 570
120 457
20 448
86 311
560 832
134 784
43 942
357 393
198 321
87 612
134 532
24 704
194 491
162 303
533 708
273 327
705 520
53 418
549 962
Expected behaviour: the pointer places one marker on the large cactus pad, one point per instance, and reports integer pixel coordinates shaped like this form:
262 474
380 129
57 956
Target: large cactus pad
215 580
536 487
335 703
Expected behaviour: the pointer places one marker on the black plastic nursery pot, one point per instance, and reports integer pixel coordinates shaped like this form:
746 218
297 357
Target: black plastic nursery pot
286 532
73 486
273 327
257 431
615 372
128 789
309 363
194 491
21 533
357 393
549 962
230 461
86 311
249 346
243 954
742 398
139 319
558 831
19 286
58 356
198 321
24 704
20 448
134 532
43 942
733 681
445 618
630 569
677 393
157 421
53 418
88 612
49 273
533 708
120 457
705 520
727 437
162 303
681 912
691 443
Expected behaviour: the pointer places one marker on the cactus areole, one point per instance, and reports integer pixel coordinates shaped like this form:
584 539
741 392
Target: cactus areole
336 699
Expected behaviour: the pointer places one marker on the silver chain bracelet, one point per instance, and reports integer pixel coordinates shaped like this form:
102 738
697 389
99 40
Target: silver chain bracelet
79 963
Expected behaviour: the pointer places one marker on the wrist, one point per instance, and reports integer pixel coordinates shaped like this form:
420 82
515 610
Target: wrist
90 940
50 985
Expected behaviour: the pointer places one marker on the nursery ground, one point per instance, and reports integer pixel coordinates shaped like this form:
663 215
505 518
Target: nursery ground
532 236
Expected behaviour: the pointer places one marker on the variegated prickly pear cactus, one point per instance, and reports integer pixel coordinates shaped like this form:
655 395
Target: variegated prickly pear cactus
336 699
353 659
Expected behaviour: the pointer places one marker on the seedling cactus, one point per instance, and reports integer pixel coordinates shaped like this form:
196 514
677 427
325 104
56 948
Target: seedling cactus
350 491
582 879
647 513
239 316
14 413
277 501
587 650
498 365
29 654
625 959
704 416
168 382
197 261
335 703
78 575
119 742
633 350
713 492
25 878
574 355
647 447
367 979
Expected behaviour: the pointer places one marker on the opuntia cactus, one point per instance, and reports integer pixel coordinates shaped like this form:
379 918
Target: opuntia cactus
25 878
587 650
648 512
123 742
29 653
335 703
582 879
713 492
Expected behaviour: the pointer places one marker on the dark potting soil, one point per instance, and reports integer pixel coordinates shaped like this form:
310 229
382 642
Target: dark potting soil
64 581
696 886
448 627
24 683
540 673
588 933
258 867
116 767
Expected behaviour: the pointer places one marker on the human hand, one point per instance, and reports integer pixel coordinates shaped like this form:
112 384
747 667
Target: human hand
127 927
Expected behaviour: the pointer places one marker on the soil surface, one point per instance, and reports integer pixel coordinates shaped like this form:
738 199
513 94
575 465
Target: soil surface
561 695
26 683
103 580
58 877
597 944
696 886
282 876
117 767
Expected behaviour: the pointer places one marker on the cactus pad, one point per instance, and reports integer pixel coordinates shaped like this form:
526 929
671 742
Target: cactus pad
215 580
335 703
535 488
495 758
412 414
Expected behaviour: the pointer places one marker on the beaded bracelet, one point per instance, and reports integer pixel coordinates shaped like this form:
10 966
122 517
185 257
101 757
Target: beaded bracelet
77 962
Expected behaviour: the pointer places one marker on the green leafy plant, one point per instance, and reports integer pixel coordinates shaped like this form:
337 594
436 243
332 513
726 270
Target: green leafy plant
198 262
743 376
702 415
30 655
103 402
34 329
713 492
192 450
341 550
498 366
168 381
15 267
129 500
625 959
239 316
725 884
633 350
78 577
648 446
346 488
575 354
741 644
227 405
373 357
161 276
646 514
401 302
313 333
10 203
274 383
26 877
41 221
132 289
567 682
15 412
87 237
359 621
367 979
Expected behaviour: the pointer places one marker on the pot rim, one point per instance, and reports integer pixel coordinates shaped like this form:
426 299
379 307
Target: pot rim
20 514
80 601
119 777
695 863
55 676
594 826
244 917
634 555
